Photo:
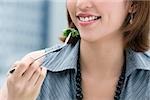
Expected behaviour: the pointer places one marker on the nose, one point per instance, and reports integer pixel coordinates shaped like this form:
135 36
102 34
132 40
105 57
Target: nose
83 4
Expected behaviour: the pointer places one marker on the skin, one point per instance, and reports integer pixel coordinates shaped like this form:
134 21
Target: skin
101 48
101 54
25 82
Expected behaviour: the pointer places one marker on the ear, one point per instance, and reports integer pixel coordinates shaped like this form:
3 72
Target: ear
132 7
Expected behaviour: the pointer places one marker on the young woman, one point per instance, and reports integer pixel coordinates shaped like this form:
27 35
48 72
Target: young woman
108 61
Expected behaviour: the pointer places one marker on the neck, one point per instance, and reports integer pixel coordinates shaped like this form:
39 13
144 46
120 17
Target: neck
103 58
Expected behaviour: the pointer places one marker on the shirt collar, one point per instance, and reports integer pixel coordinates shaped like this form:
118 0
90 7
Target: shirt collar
136 60
63 59
67 57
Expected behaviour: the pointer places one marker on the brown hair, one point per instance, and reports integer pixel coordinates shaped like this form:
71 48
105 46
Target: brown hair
136 35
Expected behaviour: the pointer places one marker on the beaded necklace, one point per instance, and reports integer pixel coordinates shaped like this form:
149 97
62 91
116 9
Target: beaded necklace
79 94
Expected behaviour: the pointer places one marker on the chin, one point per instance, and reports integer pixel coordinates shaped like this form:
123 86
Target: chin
89 38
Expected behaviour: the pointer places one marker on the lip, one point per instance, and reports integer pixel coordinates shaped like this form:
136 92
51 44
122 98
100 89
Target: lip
85 14
81 23
86 23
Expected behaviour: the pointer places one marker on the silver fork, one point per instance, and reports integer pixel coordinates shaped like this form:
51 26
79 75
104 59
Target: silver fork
35 59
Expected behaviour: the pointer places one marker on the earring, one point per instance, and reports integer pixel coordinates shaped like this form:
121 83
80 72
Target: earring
131 18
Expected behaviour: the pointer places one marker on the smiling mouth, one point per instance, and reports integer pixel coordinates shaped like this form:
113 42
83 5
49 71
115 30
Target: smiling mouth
88 18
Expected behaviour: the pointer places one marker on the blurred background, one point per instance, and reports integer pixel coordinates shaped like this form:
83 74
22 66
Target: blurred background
26 26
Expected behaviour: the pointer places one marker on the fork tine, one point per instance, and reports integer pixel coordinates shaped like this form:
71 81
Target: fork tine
52 51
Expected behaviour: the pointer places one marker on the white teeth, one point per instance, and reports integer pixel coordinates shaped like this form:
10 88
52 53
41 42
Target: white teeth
86 19
90 18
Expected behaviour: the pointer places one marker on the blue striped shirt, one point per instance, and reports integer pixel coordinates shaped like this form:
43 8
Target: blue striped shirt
61 63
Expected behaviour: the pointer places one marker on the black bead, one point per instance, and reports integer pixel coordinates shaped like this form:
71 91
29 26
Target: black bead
78 74
122 78
78 84
118 86
79 95
78 79
116 97
78 89
120 82
118 91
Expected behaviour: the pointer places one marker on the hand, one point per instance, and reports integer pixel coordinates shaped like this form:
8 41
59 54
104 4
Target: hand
26 81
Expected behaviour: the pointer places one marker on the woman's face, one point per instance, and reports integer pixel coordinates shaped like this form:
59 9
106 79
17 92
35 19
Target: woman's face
96 19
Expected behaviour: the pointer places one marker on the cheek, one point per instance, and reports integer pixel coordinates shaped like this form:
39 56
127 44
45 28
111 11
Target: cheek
71 9
68 5
114 14
118 17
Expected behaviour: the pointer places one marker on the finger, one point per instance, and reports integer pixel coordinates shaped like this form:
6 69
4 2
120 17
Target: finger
15 64
12 68
41 78
31 70
23 66
35 77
